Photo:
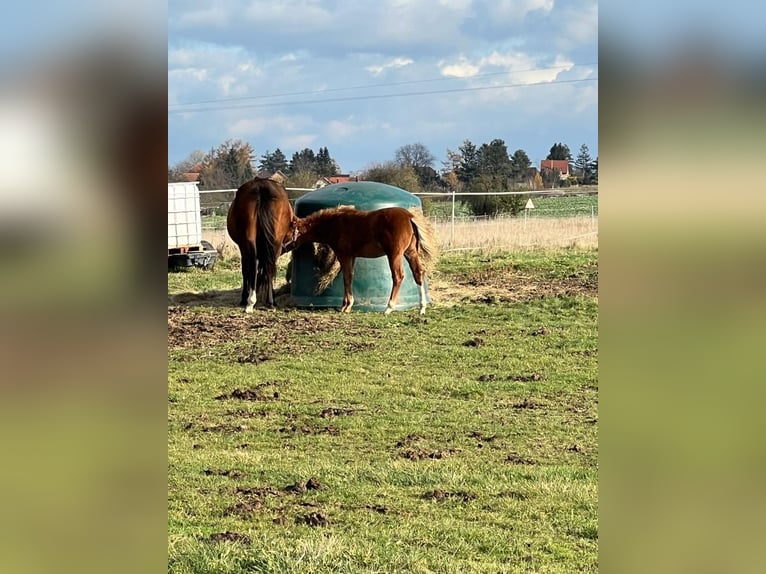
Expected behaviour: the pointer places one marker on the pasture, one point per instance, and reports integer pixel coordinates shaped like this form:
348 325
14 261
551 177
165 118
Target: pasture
461 441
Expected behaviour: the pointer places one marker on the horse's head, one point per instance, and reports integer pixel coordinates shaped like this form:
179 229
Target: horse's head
297 227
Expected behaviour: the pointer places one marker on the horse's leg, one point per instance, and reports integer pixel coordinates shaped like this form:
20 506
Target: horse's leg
347 266
245 257
252 297
411 255
397 274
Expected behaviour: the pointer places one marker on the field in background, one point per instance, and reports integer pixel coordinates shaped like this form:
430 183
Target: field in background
555 222
321 442
485 234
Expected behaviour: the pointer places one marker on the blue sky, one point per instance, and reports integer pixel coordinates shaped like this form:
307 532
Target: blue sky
367 77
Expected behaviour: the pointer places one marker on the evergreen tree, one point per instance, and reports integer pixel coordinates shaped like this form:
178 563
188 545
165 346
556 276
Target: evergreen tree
583 165
273 162
520 164
325 165
560 151
469 164
304 162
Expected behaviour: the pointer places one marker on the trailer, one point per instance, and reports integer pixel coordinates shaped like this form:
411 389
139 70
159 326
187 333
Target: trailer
186 248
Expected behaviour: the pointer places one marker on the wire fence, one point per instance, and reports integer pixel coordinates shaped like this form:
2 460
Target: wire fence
554 219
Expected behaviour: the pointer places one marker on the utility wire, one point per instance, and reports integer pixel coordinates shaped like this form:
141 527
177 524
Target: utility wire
383 85
374 96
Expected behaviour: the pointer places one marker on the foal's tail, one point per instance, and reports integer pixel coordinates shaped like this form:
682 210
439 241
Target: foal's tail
428 246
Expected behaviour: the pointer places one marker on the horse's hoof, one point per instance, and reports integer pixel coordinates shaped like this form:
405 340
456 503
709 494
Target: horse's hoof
248 310
387 311
422 310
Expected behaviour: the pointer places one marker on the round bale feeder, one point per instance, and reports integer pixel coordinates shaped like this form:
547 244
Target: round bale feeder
372 277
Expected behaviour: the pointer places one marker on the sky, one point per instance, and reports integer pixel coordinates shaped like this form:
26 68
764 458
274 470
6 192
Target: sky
364 78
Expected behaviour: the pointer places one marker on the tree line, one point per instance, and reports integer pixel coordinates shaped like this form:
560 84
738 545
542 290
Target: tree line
481 169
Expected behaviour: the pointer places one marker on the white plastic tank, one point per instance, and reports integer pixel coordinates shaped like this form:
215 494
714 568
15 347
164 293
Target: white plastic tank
184 219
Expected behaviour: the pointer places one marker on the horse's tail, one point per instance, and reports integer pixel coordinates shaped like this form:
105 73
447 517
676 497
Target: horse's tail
428 247
265 238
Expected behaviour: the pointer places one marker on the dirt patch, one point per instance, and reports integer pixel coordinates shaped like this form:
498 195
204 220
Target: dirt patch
314 519
336 412
420 453
527 404
304 485
235 474
248 395
305 429
244 509
409 440
534 377
258 491
442 495
229 537
515 458
508 285
475 342
256 337
482 438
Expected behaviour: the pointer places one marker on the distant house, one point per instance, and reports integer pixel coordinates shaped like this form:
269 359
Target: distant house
560 164
189 176
277 176
331 179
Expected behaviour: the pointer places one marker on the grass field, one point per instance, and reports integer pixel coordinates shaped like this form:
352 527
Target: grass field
314 441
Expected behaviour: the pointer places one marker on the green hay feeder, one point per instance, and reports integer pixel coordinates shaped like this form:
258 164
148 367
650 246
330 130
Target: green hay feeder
372 277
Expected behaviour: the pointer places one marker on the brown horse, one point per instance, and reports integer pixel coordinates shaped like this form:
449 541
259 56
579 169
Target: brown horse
259 222
393 231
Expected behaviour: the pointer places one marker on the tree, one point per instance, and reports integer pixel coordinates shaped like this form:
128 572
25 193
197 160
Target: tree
560 151
394 174
520 164
416 155
469 164
551 177
494 160
594 170
191 164
303 161
325 165
273 162
583 165
228 166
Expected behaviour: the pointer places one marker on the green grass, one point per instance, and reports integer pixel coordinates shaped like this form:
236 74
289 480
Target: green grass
465 441
565 206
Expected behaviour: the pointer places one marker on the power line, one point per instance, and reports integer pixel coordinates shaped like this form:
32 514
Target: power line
383 85
375 96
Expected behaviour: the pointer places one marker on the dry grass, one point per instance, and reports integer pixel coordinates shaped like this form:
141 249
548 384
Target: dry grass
517 233
488 235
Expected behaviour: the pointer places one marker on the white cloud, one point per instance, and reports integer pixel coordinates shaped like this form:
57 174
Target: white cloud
514 11
461 69
395 63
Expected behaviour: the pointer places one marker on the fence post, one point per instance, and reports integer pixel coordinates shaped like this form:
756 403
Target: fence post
452 233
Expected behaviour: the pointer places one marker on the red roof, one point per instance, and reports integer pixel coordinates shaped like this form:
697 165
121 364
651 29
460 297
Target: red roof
560 164
338 178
